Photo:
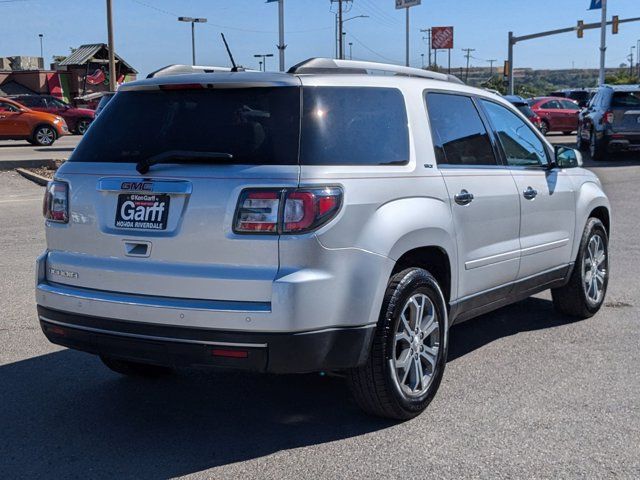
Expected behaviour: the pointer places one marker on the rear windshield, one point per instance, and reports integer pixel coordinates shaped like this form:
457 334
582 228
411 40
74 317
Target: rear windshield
626 99
339 126
525 109
255 125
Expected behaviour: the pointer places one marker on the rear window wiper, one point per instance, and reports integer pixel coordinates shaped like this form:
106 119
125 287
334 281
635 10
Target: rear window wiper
180 156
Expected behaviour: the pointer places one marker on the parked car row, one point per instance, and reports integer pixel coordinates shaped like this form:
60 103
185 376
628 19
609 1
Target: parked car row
42 119
18 122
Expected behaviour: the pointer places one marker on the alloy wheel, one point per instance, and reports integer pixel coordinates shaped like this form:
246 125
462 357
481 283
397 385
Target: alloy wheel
416 346
594 269
45 136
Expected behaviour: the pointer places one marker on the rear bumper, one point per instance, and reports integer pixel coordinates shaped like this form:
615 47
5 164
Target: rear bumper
623 145
298 352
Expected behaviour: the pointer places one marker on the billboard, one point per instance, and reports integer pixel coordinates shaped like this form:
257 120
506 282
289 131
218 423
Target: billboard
407 3
441 37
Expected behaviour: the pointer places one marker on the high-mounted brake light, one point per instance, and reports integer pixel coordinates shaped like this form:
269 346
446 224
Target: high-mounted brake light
286 210
182 86
55 206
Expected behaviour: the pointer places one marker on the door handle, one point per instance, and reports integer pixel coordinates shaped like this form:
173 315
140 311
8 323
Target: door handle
463 198
530 193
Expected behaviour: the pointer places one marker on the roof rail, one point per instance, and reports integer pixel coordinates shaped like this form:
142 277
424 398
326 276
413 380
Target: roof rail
187 69
335 66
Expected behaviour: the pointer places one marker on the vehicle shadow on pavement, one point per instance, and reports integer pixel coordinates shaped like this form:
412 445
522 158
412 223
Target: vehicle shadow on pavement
65 415
525 316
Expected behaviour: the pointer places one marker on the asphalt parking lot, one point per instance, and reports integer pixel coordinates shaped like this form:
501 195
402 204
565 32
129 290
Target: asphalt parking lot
527 393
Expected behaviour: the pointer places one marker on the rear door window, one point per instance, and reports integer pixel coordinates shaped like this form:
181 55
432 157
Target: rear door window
567 105
354 126
459 135
551 105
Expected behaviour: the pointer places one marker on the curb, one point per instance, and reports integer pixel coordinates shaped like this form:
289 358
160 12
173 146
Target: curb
15 164
34 177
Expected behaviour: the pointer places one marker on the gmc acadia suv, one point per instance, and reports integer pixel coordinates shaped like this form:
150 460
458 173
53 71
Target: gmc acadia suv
326 219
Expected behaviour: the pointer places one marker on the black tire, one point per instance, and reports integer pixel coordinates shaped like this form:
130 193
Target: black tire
596 147
572 299
44 136
567 133
580 143
82 125
544 127
135 369
375 385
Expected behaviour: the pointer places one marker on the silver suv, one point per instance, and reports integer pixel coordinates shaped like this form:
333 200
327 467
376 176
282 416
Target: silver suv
339 217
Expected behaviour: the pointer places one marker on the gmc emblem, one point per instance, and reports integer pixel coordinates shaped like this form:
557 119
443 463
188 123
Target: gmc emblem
137 186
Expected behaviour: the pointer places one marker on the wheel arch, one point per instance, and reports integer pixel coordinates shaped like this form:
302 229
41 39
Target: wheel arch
432 258
44 124
591 202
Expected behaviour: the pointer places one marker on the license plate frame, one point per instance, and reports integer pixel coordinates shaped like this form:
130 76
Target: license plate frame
142 211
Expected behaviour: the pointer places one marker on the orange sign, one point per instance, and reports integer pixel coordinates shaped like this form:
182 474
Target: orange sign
441 37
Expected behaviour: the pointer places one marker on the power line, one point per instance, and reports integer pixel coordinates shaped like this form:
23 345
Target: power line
373 51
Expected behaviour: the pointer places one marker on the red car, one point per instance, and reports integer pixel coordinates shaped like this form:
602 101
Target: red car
556 114
78 119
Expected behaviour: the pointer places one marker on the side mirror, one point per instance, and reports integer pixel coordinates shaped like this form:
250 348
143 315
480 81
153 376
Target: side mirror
567 157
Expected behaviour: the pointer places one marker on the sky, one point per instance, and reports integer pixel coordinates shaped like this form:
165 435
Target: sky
149 36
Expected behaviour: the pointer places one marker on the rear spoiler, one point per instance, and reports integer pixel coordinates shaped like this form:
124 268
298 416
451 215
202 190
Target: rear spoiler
187 69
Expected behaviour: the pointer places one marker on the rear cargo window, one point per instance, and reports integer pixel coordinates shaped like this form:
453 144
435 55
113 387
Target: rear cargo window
354 126
626 99
254 125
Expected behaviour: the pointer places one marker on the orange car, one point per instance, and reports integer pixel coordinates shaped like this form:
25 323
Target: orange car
18 122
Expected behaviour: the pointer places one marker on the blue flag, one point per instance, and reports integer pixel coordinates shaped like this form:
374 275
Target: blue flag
596 5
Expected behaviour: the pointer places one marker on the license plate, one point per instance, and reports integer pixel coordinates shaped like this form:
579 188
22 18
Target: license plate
142 211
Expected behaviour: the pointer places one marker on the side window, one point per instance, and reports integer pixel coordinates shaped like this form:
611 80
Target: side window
521 146
569 105
459 136
551 105
7 107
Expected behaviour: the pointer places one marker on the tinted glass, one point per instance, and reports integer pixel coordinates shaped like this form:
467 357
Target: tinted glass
625 99
569 105
55 103
521 146
551 105
7 107
30 101
459 136
255 125
525 110
354 126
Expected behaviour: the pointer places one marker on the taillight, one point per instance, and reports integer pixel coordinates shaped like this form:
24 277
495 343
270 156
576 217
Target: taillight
257 211
285 210
308 209
608 118
55 207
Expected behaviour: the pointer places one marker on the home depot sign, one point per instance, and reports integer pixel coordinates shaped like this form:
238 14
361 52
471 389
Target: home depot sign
441 38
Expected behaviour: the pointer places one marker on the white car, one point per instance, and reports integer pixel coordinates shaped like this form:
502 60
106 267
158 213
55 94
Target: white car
341 216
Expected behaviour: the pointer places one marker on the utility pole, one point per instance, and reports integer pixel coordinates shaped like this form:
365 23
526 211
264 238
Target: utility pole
468 56
406 62
491 62
603 42
281 46
631 61
428 37
112 55
339 27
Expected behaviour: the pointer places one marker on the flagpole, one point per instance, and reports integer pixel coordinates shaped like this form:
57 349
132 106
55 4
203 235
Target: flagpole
603 42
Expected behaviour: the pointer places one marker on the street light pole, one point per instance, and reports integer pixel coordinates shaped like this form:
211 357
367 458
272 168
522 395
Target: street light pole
631 61
603 42
343 36
41 49
112 54
350 50
264 57
193 22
